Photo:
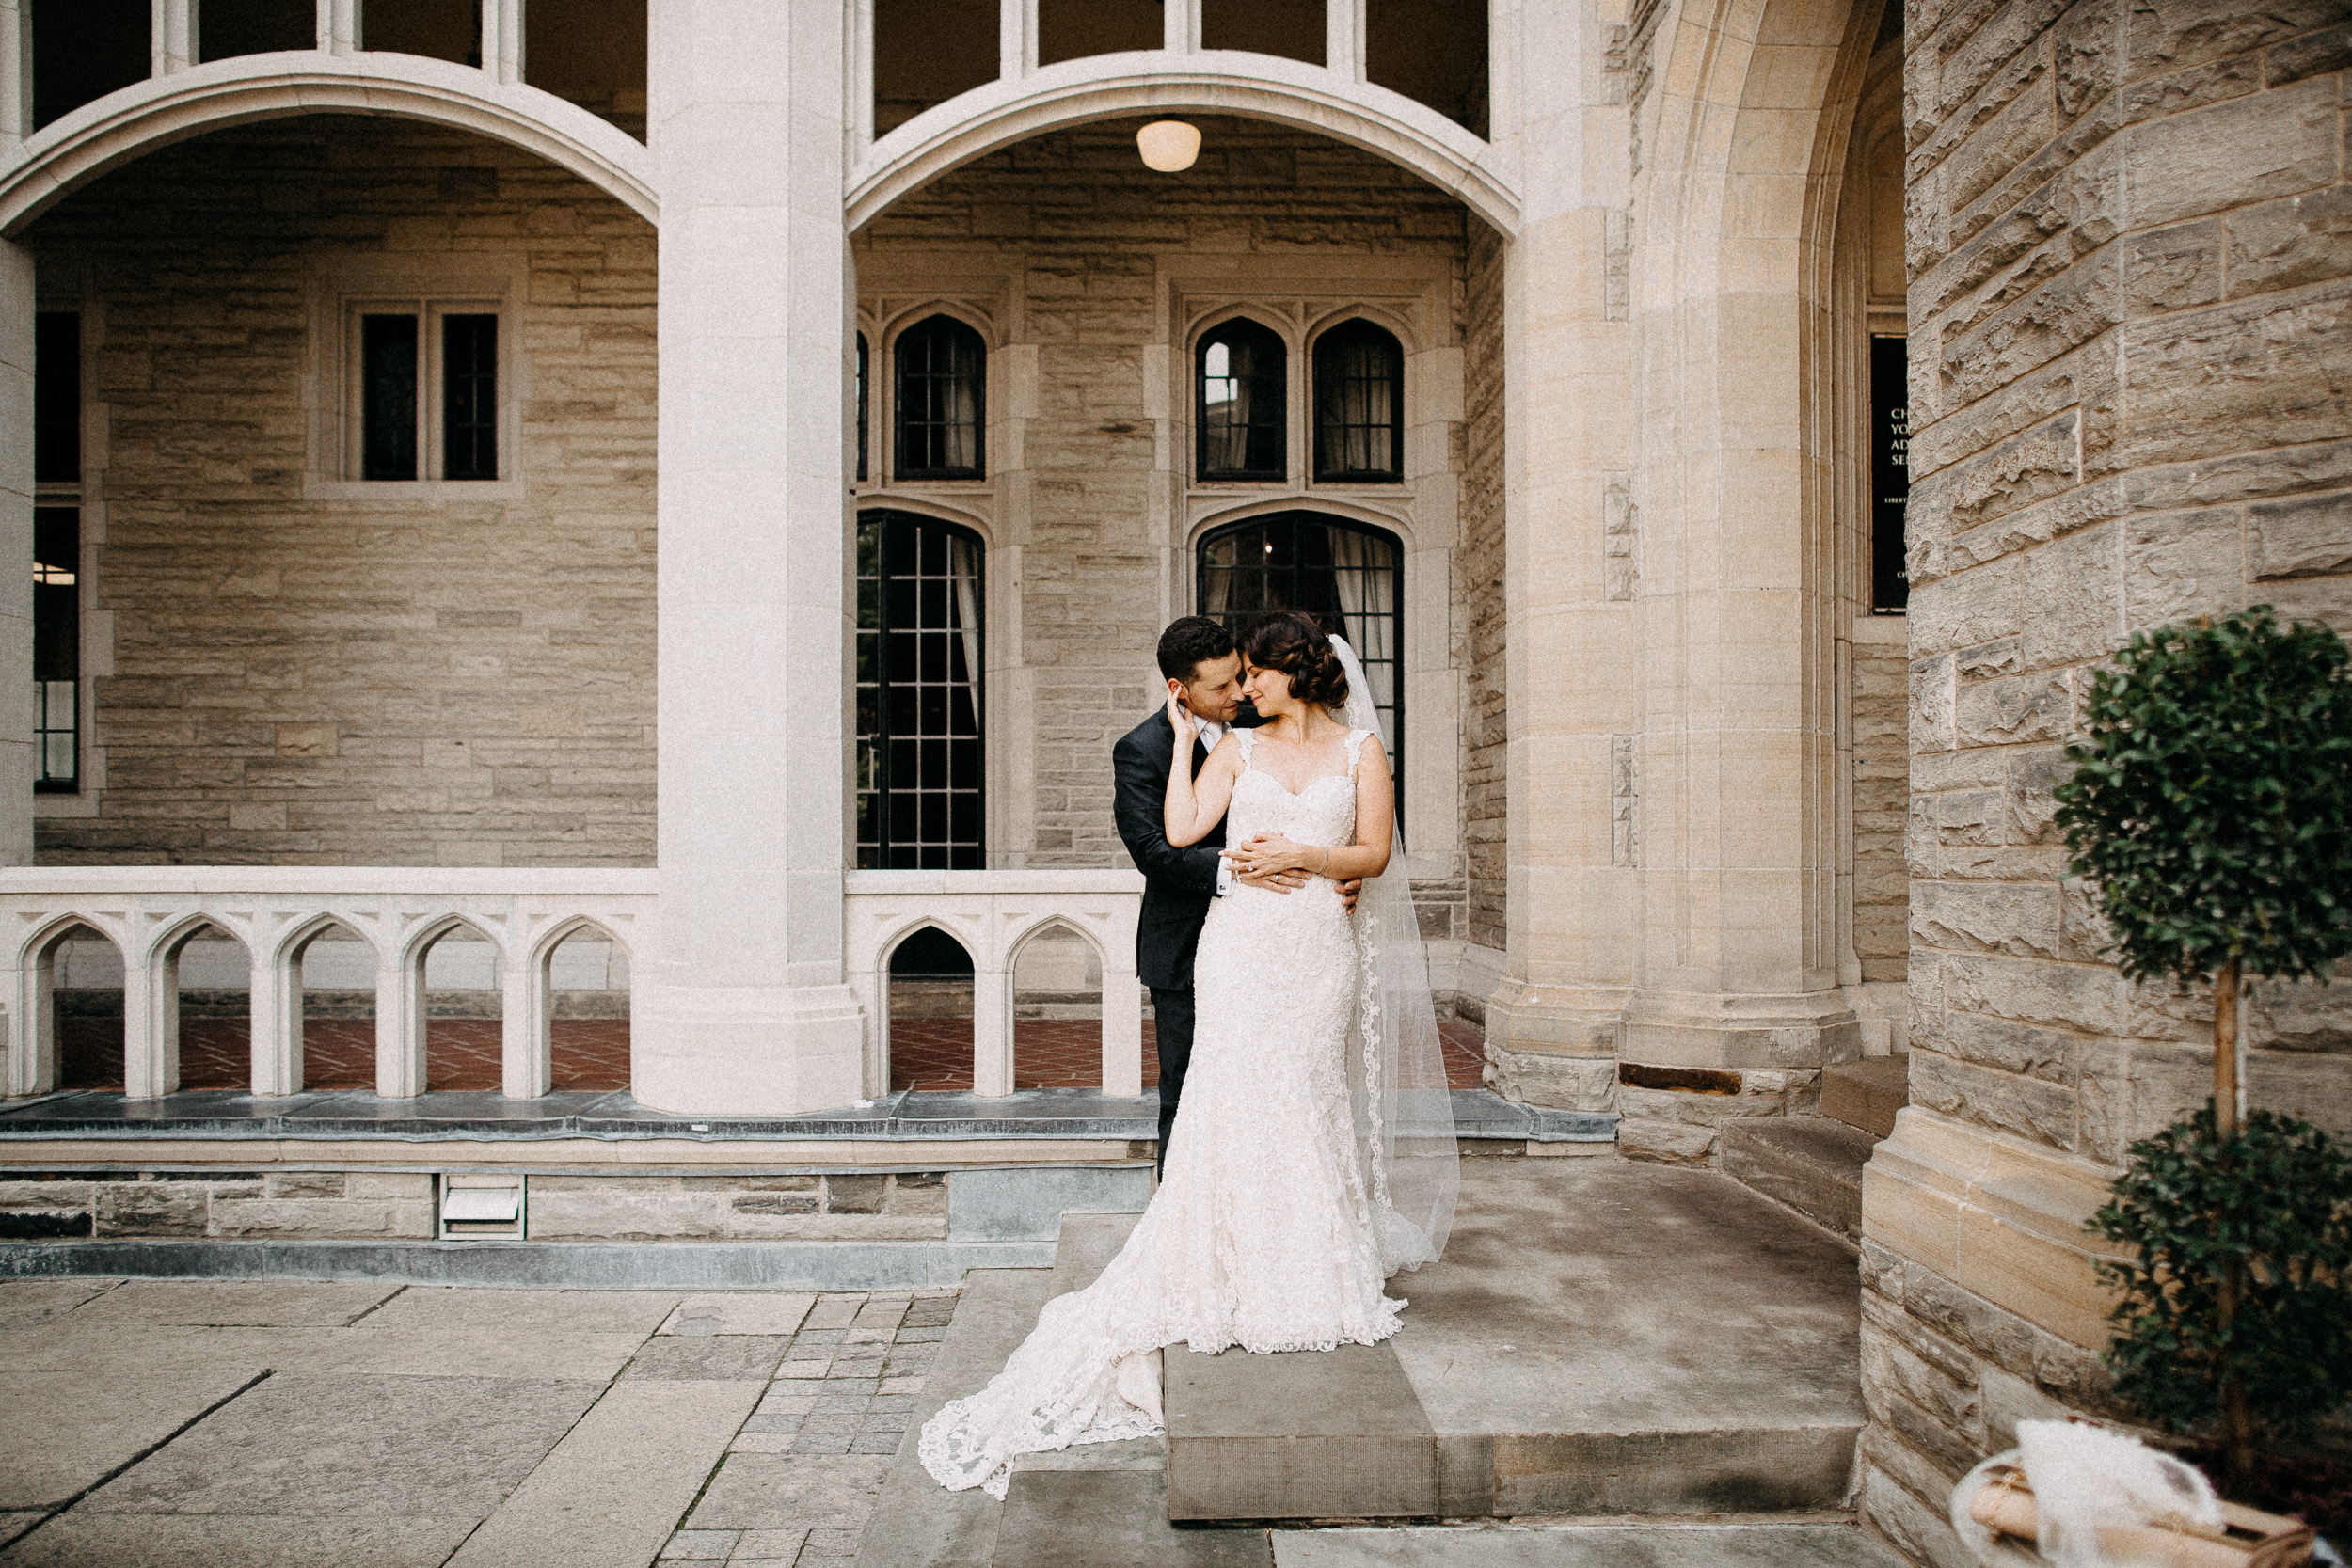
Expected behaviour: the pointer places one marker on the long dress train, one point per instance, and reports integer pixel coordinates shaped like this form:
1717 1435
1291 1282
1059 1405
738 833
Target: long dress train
1261 1234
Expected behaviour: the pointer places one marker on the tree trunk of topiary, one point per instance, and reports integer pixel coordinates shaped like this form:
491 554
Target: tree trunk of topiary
2237 1420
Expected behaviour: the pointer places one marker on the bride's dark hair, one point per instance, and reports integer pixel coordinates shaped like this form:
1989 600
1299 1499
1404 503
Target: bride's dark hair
1293 643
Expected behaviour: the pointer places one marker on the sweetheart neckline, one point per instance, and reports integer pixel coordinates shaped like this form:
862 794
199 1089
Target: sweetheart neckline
1293 794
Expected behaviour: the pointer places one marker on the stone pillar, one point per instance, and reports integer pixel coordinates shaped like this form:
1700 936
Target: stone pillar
1553 1026
274 995
173 37
16 544
150 1023
400 1021
526 1034
742 1007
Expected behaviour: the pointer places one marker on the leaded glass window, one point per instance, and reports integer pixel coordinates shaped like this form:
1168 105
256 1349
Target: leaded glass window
1348 577
943 394
1241 405
1359 405
56 648
862 402
919 699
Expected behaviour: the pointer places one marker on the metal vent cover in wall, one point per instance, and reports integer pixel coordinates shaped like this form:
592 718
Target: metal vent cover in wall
474 1205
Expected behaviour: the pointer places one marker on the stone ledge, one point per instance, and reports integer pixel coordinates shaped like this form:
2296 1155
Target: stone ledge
563 1265
1996 1216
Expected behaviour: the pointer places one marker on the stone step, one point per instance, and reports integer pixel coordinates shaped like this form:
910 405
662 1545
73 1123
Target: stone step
1811 1164
1601 1339
1867 1093
1712 1545
1087 1507
1324 1434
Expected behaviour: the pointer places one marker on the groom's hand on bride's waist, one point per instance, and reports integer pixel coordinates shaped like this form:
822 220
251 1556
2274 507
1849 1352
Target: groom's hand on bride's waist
1289 880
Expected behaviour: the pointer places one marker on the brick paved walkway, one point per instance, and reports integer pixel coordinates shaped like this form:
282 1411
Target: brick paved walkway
593 1054
340 1053
936 1053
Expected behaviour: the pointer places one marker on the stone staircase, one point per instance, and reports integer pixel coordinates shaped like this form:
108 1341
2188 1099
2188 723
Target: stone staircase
1603 1339
1814 1164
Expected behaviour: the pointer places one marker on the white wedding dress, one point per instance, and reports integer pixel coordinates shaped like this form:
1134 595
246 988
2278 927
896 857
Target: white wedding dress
1262 1231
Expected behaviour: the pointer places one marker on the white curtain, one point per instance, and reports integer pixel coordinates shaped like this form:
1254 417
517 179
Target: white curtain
1367 589
1358 411
963 561
960 400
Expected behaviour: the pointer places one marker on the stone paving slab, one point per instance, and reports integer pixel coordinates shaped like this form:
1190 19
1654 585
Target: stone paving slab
739 1312
1586 1546
27 1301
784 1491
233 1304
80 1540
1094 1518
611 1493
729 1358
355 1446
477 1352
440 1307
63 1432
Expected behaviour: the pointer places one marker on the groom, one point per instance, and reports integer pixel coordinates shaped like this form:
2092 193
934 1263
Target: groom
1198 661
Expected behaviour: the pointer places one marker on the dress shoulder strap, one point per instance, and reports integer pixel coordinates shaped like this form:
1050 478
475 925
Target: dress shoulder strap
1244 740
1355 749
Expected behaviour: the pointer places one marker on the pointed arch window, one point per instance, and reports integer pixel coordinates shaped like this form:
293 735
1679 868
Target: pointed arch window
1241 403
862 400
941 393
1359 405
1347 576
920 767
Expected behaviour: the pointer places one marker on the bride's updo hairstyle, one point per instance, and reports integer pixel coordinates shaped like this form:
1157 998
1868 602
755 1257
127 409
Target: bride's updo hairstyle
1293 643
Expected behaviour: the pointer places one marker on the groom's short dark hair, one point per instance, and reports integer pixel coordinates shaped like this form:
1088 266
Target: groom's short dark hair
1191 641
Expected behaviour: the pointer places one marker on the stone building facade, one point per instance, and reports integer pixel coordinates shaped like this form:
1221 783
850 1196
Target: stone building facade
1703 795
2129 292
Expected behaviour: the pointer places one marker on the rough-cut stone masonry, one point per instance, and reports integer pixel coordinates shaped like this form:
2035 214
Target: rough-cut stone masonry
2131 311
373 681
1484 710
1077 216
1882 888
325 1205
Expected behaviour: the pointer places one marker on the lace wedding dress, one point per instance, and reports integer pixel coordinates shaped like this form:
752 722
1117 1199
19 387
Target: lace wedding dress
1263 1232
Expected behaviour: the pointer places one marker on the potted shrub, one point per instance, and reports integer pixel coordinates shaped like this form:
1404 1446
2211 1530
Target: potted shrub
2211 809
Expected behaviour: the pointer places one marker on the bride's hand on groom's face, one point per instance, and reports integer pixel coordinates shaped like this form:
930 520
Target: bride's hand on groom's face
1179 719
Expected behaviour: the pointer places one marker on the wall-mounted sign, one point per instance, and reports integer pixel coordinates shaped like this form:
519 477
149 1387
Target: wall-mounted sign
1890 472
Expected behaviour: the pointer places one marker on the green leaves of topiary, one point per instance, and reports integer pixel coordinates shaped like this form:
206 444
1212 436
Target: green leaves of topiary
2275 1200
2212 798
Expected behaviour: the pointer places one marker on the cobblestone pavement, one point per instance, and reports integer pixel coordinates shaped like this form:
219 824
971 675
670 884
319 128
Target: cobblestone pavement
800 1480
288 1423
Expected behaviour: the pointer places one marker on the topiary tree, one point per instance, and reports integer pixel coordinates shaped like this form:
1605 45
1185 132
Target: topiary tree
2210 807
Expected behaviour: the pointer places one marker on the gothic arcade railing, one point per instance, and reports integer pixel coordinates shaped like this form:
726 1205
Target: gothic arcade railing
151 913
993 914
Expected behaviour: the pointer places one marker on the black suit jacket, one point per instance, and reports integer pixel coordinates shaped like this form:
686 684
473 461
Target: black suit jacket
1177 883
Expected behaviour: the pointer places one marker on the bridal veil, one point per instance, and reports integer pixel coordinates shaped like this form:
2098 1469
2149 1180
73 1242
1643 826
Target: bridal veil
1404 1110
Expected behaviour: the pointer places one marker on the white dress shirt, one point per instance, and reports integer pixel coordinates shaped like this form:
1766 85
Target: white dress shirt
1211 733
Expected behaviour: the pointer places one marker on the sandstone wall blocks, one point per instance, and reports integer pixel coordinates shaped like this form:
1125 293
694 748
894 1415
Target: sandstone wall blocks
2309 536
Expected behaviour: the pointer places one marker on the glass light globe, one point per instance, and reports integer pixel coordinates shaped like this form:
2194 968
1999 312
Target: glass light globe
1168 146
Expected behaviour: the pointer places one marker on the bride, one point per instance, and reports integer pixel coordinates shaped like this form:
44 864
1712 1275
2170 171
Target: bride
1314 1152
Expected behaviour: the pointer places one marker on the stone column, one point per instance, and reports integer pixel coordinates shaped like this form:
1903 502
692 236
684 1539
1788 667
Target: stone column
275 997
742 1007
1553 1026
16 540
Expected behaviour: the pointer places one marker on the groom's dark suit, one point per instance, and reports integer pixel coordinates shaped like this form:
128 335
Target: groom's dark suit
1178 885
